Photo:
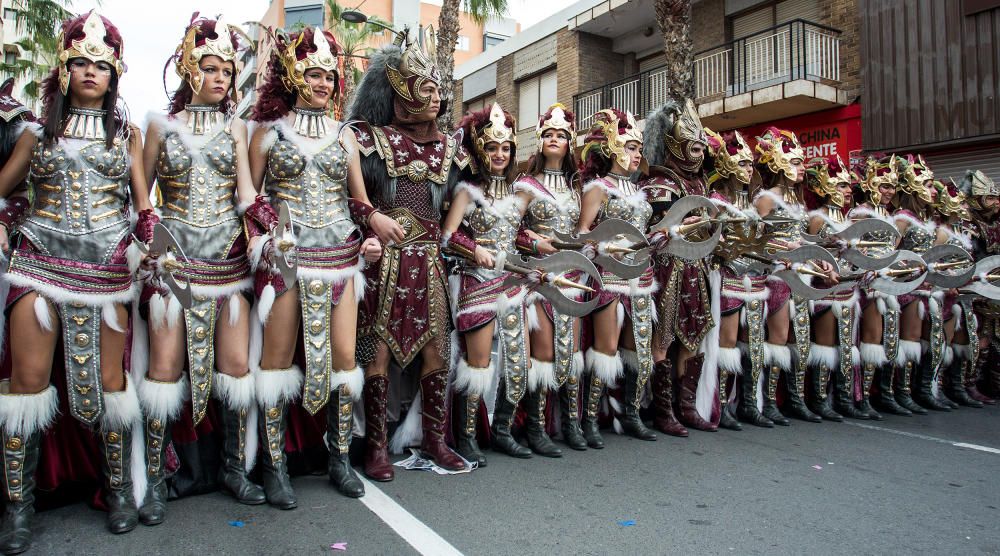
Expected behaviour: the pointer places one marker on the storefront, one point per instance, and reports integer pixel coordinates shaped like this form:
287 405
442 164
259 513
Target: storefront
822 134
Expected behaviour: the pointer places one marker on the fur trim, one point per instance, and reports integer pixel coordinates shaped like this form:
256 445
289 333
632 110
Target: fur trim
963 352
824 355
730 360
278 386
234 309
234 393
496 208
475 380
822 215
190 141
58 294
163 400
42 313
26 414
121 409
908 351
531 188
265 302
608 368
532 317
372 100
157 311
257 252
410 432
110 317
134 256
795 211
873 353
541 376
659 123
778 356
337 277
33 128
707 392
352 379
855 356
948 357
929 227
925 346
578 365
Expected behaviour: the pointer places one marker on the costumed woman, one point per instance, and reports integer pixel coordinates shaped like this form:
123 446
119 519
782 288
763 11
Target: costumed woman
198 156
729 166
304 161
879 320
406 163
623 319
554 206
983 196
780 163
675 150
481 227
69 274
834 317
915 196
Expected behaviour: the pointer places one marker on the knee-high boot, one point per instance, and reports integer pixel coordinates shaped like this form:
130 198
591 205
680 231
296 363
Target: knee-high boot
956 378
923 377
631 421
470 385
747 410
776 359
663 400
433 418
238 399
689 394
569 407
345 389
729 366
161 404
23 418
970 377
602 371
378 467
276 389
503 419
541 377
909 353
822 361
121 414
795 382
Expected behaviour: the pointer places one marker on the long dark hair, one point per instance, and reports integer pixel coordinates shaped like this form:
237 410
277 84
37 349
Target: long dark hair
183 95
536 164
55 110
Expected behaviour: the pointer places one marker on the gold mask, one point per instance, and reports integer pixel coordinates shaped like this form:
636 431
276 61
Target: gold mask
772 151
687 130
917 178
728 165
878 174
607 123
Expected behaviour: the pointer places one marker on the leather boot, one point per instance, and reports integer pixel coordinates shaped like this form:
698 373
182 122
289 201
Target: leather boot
747 410
689 389
434 418
339 429
274 467
630 420
466 416
727 419
569 413
970 378
503 418
378 467
233 474
593 389
20 460
886 400
795 405
770 398
663 401
538 439
821 400
904 375
843 394
865 406
956 385
121 410
162 403
923 377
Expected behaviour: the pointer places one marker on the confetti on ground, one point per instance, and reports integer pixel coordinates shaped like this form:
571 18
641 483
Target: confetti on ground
627 523
237 523
342 546
817 467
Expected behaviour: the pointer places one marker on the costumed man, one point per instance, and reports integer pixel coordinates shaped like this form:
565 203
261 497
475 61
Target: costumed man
675 150
984 203
405 162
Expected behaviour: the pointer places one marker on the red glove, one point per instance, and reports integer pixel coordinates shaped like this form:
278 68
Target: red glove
260 217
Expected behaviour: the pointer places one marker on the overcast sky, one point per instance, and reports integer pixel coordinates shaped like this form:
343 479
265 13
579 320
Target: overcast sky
152 31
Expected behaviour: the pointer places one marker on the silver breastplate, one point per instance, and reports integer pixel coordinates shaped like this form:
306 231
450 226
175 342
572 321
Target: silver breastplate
81 192
628 206
314 186
788 231
559 213
196 176
494 224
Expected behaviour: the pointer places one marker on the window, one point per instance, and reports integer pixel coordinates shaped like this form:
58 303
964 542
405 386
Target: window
492 40
9 14
307 16
10 58
462 44
535 95
480 103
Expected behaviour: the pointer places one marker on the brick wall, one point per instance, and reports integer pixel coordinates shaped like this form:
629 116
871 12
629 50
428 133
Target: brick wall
708 24
567 58
845 15
506 89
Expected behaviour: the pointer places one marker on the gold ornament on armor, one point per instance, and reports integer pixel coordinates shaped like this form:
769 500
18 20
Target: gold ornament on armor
878 174
496 131
91 47
728 165
499 188
772 152
189 55
415 62
916 179
557 120
554 180
203 118
687 130
827 185
614 145
310 122
323 58
85 123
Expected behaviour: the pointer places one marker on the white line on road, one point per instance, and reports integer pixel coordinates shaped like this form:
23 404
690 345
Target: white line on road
925 437
406 525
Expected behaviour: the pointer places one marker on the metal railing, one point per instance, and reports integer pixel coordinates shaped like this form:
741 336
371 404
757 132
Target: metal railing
798 49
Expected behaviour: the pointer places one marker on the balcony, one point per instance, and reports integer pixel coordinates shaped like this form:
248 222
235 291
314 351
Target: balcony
783 71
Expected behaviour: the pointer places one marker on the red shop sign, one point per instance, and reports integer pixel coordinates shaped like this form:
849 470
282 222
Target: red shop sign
822 134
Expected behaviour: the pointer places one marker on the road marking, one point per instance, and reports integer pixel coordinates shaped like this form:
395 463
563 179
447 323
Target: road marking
925 437
421 537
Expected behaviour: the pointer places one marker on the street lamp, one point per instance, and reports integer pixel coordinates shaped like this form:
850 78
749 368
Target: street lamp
354 16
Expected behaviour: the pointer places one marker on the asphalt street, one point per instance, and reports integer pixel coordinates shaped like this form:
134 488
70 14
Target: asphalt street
900 486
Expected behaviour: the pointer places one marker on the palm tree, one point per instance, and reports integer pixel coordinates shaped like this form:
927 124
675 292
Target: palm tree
38 21
674 17
448 26
355 41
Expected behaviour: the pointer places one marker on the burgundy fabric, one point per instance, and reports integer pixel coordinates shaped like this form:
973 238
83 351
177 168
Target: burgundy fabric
260 217
147 220
693 304
461 243
780 293
475 293
360 212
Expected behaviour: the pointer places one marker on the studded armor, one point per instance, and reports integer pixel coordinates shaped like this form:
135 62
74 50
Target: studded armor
551 209
624 202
